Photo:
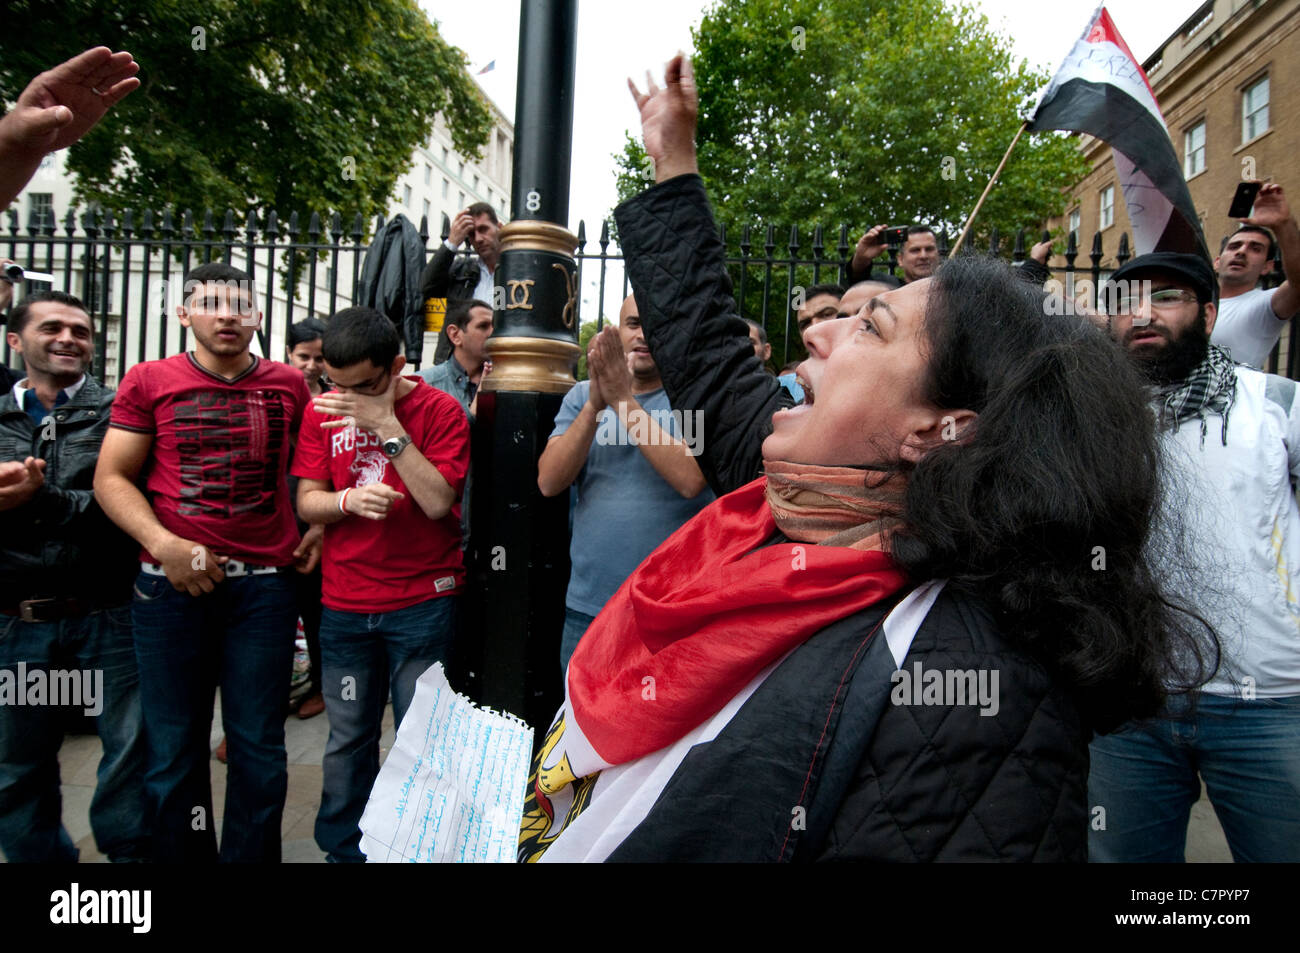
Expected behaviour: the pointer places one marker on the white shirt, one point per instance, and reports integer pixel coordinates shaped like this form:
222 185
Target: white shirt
483 290
22 387
1247 327
1241 529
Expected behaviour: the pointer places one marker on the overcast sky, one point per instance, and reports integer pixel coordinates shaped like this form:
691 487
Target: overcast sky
617 38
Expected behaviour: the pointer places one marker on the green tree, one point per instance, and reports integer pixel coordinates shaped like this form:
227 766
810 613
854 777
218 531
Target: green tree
276 104
845 111
585 334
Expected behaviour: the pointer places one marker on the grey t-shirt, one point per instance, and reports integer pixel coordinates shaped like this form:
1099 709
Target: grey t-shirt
625 509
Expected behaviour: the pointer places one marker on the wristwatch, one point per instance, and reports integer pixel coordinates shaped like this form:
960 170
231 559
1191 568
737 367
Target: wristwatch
395 445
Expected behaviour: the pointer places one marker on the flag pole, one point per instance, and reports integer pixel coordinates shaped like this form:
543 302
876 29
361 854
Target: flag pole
988 188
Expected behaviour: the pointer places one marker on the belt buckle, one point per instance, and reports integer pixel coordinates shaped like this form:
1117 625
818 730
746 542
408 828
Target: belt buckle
235 567
26 607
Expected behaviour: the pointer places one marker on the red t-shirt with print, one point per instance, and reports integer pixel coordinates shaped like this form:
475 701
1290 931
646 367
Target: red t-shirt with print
217 472
406 558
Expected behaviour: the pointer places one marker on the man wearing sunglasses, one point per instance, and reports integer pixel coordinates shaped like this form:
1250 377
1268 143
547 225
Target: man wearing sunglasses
1231 440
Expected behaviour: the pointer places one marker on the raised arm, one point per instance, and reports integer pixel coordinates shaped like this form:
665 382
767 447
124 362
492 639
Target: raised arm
677 266
671 458
57 108
1272 211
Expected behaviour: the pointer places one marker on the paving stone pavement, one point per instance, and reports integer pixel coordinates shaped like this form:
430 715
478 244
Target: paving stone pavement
305 743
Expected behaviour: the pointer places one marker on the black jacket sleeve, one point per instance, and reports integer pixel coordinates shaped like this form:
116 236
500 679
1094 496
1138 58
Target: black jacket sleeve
1034 271
436 278
677 267
852 276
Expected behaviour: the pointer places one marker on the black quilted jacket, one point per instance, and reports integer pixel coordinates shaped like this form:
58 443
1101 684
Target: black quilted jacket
820 764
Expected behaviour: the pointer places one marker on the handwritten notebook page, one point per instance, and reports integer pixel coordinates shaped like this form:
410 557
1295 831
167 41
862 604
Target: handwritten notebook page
452 788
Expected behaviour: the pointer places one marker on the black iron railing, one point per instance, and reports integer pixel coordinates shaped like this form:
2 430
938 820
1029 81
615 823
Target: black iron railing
129 270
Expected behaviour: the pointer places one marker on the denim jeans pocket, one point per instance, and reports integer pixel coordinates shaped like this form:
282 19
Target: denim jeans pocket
150 588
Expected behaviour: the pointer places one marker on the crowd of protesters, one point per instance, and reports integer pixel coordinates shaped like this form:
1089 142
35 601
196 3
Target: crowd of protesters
976 580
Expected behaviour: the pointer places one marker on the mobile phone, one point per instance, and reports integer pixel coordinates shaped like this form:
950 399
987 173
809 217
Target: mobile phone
896 235
1243 200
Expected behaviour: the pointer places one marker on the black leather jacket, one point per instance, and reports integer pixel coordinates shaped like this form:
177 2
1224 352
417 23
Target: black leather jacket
60 543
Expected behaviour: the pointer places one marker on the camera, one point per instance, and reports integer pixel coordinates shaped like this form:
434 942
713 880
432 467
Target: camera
15 273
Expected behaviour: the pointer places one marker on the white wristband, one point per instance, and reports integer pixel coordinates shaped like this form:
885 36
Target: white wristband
343 497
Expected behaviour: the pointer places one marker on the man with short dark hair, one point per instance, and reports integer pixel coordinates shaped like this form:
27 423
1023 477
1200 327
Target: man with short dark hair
917 258
65 595
1231 442
1251 319
382 461
820 303
468 278
209 432
467 327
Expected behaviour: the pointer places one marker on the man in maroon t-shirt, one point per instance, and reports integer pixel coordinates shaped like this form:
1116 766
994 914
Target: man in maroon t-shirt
382 462
209 431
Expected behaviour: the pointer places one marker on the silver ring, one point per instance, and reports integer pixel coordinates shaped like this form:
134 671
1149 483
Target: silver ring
95 91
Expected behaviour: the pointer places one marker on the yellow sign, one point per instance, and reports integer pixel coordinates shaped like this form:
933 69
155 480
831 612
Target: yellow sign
435 312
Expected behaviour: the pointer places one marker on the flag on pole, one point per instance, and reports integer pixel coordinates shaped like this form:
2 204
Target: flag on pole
487 69
1101 90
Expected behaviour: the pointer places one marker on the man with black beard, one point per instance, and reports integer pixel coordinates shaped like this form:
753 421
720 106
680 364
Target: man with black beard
1231 439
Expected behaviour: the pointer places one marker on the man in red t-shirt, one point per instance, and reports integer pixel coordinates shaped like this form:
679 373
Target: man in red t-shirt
382 462
209 432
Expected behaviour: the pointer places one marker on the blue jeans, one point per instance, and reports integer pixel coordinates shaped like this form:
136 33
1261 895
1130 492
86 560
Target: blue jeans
1146 778
575 626
362 656
239 636
31 826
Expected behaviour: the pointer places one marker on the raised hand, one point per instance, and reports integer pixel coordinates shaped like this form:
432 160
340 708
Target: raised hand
1271 209
668 119
462 226
61 105
608 367
869 246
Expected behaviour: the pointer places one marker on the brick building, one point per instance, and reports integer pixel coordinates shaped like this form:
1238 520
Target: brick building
1228 84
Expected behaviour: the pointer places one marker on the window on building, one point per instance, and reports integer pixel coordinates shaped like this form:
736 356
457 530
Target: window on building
444 155
426 208
428 173
40 208
445 186
460 200
476 183
1194 150
1254 109
489 195
462 171
1106 210
406 196
1075 218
